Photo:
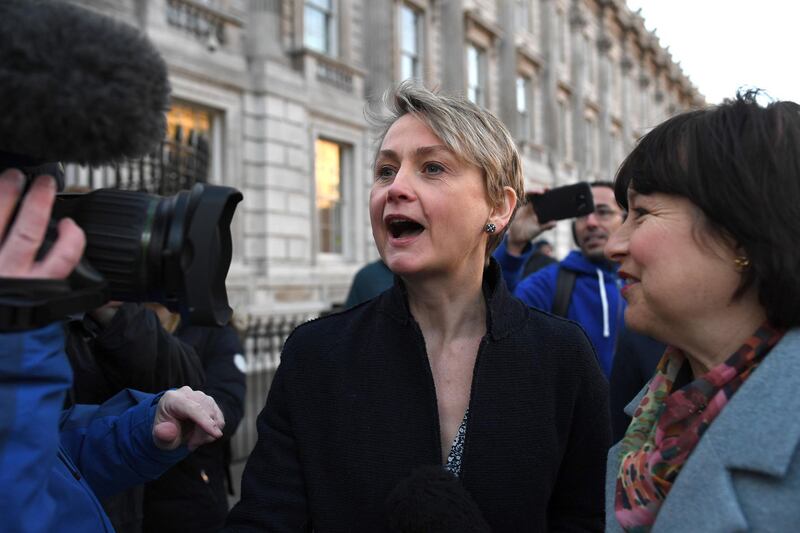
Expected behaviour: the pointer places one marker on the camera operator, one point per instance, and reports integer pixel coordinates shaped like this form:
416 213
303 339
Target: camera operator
123 346
56 464
193 495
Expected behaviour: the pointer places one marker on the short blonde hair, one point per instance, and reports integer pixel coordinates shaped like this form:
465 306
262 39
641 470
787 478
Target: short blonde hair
469 131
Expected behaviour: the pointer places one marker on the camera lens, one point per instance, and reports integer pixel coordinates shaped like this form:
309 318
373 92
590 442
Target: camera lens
174 250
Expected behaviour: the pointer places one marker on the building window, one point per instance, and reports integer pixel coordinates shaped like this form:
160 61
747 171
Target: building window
328 173
410 43
476 75
524 108
188 154
319 26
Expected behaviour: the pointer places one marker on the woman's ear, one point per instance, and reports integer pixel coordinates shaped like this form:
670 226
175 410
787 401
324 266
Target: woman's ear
502 212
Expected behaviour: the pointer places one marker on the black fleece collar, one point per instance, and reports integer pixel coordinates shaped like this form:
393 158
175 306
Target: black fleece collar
504 314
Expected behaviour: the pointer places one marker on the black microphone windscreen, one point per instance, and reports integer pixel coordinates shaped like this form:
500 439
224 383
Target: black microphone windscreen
432 499
76 86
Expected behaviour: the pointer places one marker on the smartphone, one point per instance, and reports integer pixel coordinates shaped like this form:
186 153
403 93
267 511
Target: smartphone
569 201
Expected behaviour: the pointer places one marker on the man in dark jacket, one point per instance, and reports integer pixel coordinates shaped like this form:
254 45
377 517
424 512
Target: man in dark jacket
193 495
371 280
123 346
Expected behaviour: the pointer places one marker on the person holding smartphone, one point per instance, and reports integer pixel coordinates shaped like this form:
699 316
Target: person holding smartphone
517 254
584 287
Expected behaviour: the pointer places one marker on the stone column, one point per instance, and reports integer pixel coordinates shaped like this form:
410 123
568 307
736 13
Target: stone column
453 42
508 67
626 65
264 29
380 44
604 120
577 22
549 82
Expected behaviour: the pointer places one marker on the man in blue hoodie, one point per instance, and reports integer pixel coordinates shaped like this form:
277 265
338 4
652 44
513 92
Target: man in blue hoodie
595 301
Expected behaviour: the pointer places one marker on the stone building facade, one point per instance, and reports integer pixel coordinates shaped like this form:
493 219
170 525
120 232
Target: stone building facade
272 94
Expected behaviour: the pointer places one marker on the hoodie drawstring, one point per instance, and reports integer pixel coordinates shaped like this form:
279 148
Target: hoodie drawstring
604 300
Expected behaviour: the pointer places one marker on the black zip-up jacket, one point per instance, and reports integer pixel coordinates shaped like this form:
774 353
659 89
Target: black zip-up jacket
352 411
192 495
133 352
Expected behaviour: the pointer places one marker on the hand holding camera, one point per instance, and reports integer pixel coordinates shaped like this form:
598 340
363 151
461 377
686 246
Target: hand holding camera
526 226
22 241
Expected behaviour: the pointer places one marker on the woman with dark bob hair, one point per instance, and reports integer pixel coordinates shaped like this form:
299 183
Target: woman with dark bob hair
443 371
711 260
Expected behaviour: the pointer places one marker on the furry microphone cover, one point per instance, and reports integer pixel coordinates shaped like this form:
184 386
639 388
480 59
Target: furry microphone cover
76 86
432 499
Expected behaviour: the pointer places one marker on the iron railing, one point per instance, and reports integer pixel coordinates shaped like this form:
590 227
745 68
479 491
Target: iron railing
175 165
263 342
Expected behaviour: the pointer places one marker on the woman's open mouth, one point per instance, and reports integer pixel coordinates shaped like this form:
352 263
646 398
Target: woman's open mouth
401 227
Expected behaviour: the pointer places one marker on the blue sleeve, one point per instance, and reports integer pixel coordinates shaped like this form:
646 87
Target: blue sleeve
34 378
538 289
112 444
512 266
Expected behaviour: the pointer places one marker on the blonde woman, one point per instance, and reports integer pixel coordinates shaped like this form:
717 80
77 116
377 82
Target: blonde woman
444 368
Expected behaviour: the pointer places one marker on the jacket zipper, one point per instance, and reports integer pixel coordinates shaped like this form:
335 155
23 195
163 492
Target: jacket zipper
85 486
69 464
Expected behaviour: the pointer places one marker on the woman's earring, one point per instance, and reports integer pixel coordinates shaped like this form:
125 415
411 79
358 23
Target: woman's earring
742 263
490 228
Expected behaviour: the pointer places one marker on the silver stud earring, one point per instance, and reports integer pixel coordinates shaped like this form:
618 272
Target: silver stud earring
490 228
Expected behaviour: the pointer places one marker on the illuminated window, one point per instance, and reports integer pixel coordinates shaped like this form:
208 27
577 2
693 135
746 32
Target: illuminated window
184 121
410 23
328 173
186 152
189 154
319 26
476 75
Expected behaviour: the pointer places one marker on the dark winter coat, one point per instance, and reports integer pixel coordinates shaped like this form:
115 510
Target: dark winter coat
133 352
353 410
192 495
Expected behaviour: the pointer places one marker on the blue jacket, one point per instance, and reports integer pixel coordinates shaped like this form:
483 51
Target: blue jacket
53 464
512 265
596 302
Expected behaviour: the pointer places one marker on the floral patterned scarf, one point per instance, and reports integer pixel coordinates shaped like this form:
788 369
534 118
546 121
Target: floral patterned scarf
667 426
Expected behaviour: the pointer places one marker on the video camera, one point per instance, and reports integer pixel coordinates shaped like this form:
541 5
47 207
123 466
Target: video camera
94 91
